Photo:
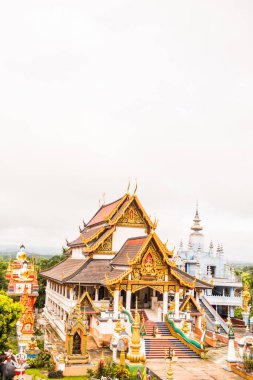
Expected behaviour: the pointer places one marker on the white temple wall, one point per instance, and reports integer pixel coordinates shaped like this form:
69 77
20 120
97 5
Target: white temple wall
123 233
77 253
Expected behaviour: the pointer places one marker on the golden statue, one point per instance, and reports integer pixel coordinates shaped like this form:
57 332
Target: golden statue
245 297
32 344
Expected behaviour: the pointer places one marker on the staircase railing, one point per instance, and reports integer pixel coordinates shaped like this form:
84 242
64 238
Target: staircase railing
215 315
124 311
190 343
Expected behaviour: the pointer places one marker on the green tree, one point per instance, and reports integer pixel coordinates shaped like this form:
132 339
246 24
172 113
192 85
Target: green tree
43 264
9 314
3 267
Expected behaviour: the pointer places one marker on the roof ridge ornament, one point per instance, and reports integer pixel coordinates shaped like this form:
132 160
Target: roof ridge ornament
136 186
128 186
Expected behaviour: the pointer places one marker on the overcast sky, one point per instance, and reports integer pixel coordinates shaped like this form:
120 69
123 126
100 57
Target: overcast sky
94 92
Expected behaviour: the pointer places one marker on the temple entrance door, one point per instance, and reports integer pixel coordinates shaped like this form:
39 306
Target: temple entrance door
144 298
76 344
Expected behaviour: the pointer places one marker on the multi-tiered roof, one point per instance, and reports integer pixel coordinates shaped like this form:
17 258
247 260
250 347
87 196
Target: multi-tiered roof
100 263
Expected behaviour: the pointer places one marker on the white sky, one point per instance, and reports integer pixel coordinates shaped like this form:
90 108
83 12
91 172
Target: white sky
92 92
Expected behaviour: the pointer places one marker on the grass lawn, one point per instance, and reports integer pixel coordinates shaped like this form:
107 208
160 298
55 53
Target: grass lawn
37 372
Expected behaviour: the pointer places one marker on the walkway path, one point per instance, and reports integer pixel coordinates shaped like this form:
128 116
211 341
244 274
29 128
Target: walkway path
192 370
211 368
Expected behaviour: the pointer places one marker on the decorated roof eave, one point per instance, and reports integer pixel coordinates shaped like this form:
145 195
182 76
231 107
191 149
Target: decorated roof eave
87 240
187 300
182 281
100 241
131 200
205 284
117 279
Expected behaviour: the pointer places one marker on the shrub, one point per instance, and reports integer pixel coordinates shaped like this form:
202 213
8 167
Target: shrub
42 360
238 312
40 344
55 374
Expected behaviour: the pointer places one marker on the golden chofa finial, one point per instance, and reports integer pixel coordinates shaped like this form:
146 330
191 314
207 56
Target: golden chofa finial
155 223
128 187
136 186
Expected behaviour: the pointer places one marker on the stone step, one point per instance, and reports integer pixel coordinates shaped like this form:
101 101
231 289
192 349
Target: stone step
155 348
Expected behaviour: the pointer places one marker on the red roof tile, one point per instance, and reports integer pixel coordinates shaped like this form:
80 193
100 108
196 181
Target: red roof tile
103 212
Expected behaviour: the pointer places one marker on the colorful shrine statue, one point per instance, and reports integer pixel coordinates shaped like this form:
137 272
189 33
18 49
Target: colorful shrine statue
245 297
22 278
32 345
21 273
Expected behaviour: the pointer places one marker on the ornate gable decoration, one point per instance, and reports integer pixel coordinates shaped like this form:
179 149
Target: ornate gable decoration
150 265
190 304
105 247
132 217
86 303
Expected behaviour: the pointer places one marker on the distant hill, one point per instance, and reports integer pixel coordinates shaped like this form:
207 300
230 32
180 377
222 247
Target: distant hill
9 251
12 255
240 264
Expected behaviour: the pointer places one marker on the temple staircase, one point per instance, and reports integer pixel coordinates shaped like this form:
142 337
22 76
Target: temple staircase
155 346
212 316
142 314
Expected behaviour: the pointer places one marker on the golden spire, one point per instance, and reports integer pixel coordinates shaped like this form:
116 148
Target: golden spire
135 355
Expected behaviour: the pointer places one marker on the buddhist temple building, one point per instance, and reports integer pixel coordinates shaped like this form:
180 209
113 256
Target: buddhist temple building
117 258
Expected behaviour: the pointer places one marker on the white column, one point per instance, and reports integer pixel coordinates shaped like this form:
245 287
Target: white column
165 304
96 294
128 300
116 304
159 313
176 299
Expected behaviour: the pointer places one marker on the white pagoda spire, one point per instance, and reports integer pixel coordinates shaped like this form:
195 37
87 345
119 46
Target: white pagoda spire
197 238
196 225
